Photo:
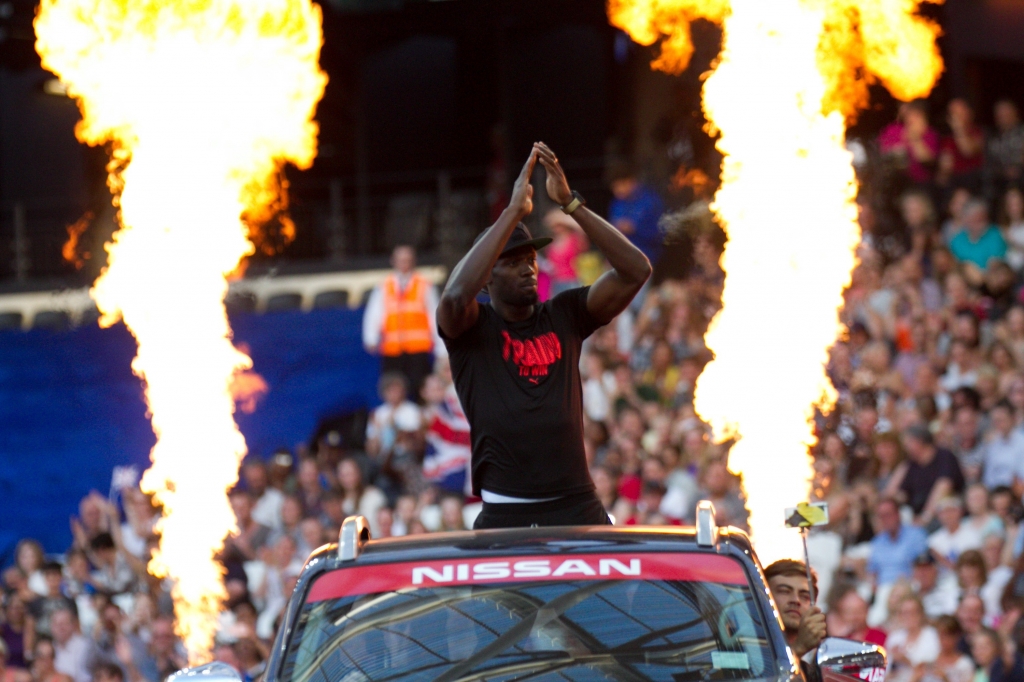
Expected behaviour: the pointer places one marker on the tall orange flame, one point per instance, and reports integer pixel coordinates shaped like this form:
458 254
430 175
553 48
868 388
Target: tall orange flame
202 101
790 73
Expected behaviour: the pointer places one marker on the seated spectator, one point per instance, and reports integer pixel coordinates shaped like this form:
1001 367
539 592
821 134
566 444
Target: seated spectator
1003 453
962 368
1005 153
401 466
283 565
1011 222
77 585
932 473
266 501
980 519
999 576
967 441
111 672
164 655
250 653
851 620
560 256
914 646
404 515
28 557
359 498
385 521
54 600
605 486
996 662
291 521
971 616
451 513
109 637
888 454
961 153
251 537
16 630
659 382
979 242
938 592
954 223
140 620
951 665
74 653
952 538
113 573
140 518
895 546
911 143
381 431
92 520
332 512
10 673
311 486
311 534
43 670
971 573
719 485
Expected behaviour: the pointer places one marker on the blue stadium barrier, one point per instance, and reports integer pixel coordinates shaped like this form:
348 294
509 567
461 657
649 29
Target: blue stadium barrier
71 409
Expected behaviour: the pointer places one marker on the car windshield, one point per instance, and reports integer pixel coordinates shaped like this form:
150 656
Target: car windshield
673 617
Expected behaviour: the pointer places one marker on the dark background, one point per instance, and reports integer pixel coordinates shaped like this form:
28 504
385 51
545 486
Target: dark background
422 97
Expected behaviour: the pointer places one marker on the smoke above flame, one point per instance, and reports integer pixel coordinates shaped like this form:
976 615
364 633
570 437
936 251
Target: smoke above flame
790 75
201 102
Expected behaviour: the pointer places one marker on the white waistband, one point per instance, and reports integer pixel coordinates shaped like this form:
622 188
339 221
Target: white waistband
495 498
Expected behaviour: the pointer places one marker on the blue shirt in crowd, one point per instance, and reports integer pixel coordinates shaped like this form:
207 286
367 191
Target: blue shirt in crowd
893 558
643 208
990 245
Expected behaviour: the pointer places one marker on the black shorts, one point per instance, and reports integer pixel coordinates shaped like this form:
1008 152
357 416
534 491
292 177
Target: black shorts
581 509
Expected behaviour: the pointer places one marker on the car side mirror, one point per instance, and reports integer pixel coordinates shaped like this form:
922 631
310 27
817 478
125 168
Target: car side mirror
851 659
211 672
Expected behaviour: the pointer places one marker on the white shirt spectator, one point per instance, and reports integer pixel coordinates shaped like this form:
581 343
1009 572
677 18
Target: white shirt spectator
954 378
267 510
74 658
1003 460
951 545
992 593
275 596
386 420
924 649
943 599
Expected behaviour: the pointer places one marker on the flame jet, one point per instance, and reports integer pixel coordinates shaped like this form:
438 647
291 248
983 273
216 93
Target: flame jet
790 75
201 103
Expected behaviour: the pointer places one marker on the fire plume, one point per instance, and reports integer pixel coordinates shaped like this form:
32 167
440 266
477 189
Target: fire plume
790 74
201 102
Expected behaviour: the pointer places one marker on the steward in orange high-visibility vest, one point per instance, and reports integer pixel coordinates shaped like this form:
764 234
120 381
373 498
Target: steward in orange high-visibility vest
406 328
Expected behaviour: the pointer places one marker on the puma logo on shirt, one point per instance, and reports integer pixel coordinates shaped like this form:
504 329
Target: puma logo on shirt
534 356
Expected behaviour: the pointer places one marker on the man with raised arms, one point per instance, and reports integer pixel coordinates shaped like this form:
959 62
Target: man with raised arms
515 361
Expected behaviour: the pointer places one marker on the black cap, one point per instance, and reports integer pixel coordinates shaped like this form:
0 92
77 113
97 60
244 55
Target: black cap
924 559
520 237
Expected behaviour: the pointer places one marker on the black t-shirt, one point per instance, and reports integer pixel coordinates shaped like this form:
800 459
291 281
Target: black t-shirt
920 480
519 384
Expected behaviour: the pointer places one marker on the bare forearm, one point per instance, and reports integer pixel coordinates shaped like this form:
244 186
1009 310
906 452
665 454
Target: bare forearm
942 488
627 260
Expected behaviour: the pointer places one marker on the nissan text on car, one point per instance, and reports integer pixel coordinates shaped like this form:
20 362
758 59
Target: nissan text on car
539 604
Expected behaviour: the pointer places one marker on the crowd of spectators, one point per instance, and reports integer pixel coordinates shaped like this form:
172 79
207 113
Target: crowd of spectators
921 461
